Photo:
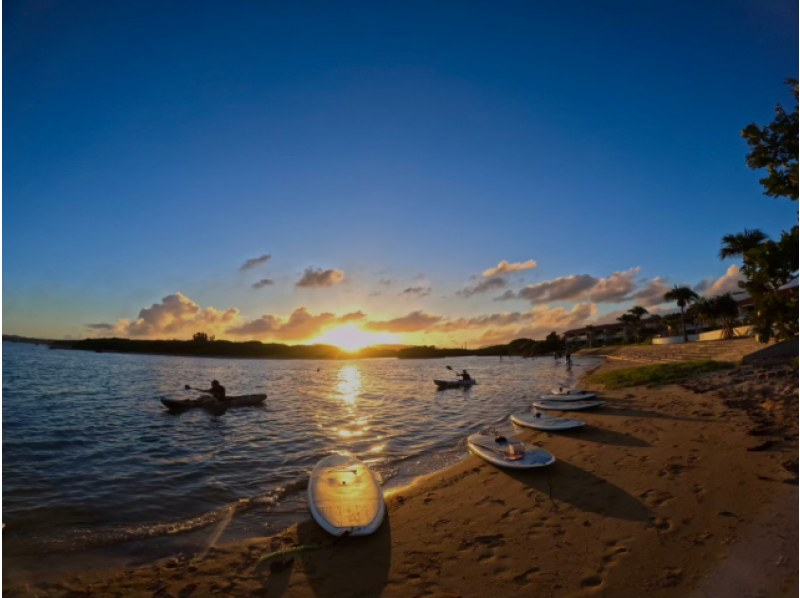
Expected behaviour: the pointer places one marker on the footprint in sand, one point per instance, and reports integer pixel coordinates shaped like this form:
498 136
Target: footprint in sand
699 492
522 578
662 524
592 581
489 500
655 498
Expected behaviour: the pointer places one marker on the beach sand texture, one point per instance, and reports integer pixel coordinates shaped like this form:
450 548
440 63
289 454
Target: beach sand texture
682 491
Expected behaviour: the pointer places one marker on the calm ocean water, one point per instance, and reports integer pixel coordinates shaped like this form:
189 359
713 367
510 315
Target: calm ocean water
93 462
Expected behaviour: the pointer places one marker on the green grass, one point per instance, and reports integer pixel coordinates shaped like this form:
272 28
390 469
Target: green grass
657 374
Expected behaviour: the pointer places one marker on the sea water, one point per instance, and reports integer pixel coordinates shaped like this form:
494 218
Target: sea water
94 464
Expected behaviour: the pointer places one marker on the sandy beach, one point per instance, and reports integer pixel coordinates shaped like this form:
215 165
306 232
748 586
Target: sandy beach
683 490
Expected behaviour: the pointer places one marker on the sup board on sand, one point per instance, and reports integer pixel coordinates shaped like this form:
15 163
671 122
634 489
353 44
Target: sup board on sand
344 497
569 397
566 405
540 421
508 452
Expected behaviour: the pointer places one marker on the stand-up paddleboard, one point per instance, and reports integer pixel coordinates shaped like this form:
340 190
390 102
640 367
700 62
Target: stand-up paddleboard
540 421
567 405
344 497
573 397
508 452
567 391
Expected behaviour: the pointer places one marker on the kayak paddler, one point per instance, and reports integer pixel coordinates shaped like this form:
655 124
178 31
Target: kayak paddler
217 390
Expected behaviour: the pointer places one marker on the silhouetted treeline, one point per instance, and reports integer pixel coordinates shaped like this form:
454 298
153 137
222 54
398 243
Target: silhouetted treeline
255 349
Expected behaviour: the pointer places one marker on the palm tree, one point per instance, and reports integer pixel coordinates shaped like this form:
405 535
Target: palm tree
683 296
637 311
727 312
629 322
740 243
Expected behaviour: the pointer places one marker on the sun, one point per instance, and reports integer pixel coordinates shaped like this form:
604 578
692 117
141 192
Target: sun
352 338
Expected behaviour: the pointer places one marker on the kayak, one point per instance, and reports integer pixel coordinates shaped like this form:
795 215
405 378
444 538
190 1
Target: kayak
442 384
209 402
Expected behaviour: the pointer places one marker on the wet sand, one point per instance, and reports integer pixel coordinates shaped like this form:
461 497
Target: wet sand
681 490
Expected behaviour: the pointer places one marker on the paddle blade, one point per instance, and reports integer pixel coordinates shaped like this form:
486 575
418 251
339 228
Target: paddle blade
449 368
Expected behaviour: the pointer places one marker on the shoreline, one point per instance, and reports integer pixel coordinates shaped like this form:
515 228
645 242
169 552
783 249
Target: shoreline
682 490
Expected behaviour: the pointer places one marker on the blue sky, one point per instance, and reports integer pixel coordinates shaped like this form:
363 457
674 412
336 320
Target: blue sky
395 151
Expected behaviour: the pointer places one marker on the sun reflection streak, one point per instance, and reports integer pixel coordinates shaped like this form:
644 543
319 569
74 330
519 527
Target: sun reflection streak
349 384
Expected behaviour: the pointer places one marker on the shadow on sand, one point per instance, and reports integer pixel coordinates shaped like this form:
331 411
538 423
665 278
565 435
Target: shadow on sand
604 436
326 568
583 490
621 407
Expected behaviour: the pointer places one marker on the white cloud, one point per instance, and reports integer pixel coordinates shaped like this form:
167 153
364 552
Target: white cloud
504 267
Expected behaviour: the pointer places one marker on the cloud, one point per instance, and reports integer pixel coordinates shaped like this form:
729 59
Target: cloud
540 322
301 325
176 316
253 262
264 282
727 283
502 319
504 267
482 287
413 322
652 293
616 288
317 277
100 326
419 291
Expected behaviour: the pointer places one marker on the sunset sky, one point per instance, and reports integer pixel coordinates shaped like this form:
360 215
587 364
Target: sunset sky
413 172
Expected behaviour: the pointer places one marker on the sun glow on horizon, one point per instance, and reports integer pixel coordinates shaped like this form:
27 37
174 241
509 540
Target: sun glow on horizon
352 338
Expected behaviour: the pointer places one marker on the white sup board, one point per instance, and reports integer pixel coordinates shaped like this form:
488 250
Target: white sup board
508 452
344 497
575 396
540 421
567 391
567 405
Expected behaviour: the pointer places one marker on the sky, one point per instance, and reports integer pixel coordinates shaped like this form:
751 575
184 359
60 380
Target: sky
449 173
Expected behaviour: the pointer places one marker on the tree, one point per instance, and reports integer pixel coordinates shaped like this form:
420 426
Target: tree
629 323
726 311
739 244
683 296
200 337
774 147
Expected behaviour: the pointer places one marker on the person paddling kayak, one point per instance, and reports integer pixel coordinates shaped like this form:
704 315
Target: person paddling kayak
217 390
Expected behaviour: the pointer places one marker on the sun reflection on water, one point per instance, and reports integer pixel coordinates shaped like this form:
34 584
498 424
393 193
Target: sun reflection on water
349 384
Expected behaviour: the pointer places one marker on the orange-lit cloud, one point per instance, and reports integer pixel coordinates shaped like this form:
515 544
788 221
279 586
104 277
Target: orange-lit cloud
176 316
317 277
616 288
727 283
299 326
413 322
504 267
540 322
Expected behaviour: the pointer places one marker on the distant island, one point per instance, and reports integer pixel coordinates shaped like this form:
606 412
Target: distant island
523 347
